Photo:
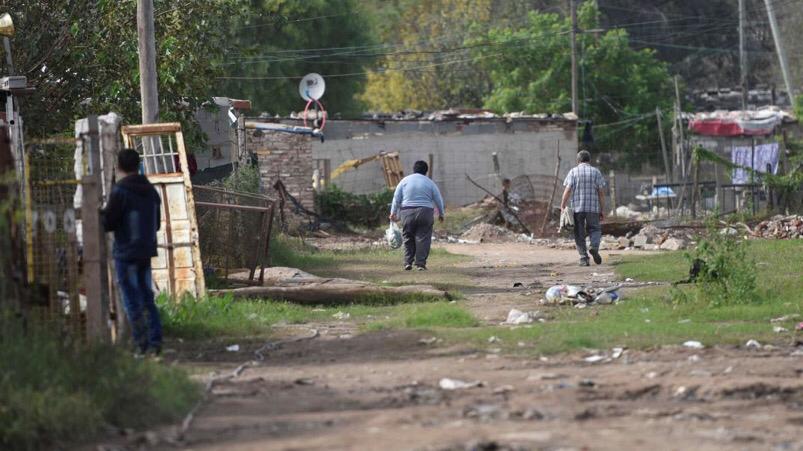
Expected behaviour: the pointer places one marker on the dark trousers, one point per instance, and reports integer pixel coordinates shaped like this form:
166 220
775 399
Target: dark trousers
586 224
417 234
134 278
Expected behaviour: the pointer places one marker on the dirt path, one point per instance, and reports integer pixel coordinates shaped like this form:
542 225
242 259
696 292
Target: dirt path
344 390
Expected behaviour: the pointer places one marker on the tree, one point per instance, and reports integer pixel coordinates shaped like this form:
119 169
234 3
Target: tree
429 66
81 57
279 41
619 88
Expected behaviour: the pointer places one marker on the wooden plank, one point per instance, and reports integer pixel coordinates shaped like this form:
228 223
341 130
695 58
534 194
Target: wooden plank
151 129
200 285
96 273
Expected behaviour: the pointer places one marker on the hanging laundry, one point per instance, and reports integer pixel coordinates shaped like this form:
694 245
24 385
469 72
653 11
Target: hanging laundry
765 154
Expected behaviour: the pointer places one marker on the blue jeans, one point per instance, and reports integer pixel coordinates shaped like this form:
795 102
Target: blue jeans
134 278
586 224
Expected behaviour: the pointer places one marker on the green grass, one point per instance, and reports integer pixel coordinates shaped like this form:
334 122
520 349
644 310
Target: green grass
650 317
225 317
646 320
54 394
436 315
665 267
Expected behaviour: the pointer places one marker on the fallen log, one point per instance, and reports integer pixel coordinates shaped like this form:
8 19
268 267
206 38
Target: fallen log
327 293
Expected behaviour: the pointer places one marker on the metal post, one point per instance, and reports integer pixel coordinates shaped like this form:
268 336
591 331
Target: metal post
776 35
742 55
95 266
9 60
573 14
752 174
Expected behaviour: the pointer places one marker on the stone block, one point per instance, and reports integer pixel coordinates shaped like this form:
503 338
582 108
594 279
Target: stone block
640 241
673 244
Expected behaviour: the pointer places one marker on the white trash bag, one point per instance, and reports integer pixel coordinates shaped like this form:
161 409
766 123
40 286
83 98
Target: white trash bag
393 236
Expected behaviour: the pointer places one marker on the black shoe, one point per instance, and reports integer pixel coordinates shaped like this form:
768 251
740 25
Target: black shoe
584 262
420 268
595 254
408 267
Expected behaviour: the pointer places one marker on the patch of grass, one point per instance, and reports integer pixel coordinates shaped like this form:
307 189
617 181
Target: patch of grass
227 317
664 267
435 315
650 317
53 394
646 320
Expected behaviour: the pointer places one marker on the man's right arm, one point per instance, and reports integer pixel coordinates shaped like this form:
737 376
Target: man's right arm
567 193
113 213
397 201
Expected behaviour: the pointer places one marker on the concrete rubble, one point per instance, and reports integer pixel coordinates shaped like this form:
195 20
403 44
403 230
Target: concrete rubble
780 228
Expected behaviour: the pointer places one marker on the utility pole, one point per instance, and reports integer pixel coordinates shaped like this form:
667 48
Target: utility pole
742 55
147 62
776 35
573 13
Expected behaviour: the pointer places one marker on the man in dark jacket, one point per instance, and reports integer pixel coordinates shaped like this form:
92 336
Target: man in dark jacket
133 215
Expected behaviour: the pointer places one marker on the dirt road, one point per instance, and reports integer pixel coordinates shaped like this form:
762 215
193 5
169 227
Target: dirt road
346 390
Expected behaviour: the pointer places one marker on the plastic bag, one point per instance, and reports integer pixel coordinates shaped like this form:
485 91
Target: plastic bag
566 219
393 236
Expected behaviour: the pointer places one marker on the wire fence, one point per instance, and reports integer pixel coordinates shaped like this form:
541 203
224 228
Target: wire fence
234 233
53 241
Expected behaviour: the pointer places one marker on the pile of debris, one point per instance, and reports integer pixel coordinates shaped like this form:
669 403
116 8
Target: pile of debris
581 297
651 238
780 228
488 233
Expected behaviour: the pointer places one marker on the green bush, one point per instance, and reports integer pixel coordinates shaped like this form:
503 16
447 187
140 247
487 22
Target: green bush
53 393
367 210
245 179
727 275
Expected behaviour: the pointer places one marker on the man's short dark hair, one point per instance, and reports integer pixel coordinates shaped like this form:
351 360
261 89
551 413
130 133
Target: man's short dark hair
128 160
421 167
583 156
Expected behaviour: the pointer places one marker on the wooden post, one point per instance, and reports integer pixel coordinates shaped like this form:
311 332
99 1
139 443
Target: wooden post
95 267
242 154
681 141
573 15
555 182
612 177
430 162
147 61
667 166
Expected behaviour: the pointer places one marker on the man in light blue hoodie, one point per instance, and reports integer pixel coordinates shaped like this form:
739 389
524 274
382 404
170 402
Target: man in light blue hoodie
414 203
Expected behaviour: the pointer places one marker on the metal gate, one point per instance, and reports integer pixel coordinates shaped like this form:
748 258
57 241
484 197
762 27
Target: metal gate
177 269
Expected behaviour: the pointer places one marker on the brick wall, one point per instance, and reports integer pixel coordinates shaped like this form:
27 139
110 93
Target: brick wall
286 157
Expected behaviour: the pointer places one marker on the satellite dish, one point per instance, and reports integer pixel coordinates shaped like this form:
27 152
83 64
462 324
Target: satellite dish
311 87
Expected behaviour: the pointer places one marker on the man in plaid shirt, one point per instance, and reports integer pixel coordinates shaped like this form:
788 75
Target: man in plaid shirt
585 188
